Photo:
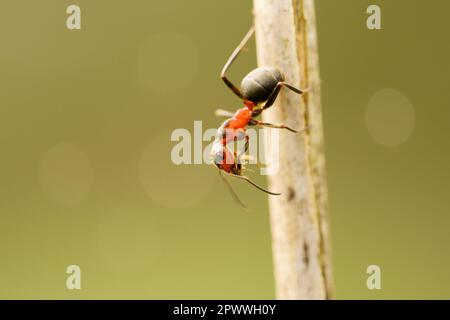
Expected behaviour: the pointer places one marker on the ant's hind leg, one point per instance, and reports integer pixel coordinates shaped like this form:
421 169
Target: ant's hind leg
230 61
274 94
294 88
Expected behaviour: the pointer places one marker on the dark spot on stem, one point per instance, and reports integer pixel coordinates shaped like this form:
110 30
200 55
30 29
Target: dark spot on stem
290 194
305 254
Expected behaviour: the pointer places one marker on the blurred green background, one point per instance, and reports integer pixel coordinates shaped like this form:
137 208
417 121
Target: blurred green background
85 170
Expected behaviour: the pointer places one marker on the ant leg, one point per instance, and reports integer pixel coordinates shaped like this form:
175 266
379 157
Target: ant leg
253 184
230 61
224 113
271 125
242 152
275 92
294 88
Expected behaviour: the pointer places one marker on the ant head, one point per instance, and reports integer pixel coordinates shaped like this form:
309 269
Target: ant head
221 157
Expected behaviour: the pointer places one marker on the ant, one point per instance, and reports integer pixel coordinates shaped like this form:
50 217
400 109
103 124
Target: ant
258 91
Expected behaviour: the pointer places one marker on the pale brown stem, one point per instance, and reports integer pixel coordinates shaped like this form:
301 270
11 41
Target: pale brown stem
286 39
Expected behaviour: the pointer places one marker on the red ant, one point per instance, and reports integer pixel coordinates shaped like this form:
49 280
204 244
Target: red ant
259 90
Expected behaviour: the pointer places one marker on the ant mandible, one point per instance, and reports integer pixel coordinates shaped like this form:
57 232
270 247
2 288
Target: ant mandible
259 90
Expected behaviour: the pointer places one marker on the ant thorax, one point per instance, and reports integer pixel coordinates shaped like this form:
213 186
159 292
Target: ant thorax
257 109
250 104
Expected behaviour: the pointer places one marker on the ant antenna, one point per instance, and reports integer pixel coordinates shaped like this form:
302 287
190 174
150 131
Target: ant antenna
254 184
233 193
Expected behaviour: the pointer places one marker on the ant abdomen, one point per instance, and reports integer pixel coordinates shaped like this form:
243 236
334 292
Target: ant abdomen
258 85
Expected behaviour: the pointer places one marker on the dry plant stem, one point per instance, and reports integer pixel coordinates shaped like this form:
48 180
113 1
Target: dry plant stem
286 38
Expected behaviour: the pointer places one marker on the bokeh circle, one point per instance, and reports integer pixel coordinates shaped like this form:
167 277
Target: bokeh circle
390 117
167 62
65 174
168 184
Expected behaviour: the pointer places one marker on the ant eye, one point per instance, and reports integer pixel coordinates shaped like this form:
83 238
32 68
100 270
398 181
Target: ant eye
219 158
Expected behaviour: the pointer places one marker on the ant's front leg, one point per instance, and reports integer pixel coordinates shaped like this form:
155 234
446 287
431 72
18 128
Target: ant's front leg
241 135
247 158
